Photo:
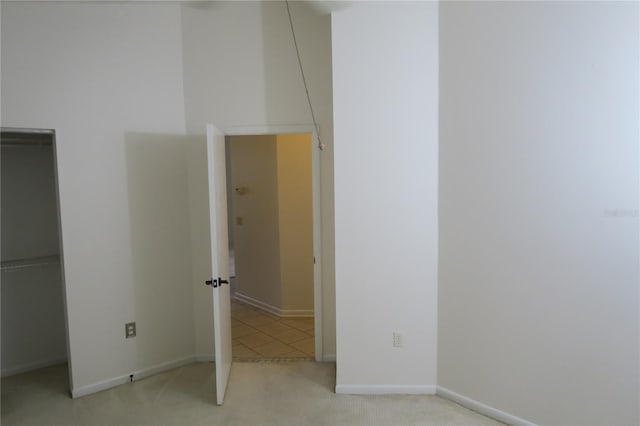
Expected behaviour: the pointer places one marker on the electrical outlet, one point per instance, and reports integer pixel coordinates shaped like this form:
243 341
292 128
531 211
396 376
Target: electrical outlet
397 339
130 330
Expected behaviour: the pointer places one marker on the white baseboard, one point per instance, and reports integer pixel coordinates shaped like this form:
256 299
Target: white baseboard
329 358
256 303
205 358
481 408
272 309
286 313
137 375
386 389
23 368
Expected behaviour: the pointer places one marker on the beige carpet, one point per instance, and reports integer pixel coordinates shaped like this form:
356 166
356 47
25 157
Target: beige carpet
259 393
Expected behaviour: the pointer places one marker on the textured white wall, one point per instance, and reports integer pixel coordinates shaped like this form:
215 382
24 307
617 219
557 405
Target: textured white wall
92 72
385 89
538 306
241 70
161 251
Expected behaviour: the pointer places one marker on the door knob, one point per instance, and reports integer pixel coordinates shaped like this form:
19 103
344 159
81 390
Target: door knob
216 283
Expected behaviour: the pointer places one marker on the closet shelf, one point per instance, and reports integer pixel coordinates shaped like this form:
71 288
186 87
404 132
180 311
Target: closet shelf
30 262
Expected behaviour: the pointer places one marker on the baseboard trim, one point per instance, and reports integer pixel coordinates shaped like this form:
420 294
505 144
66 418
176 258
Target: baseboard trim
481 408
329 358
284 313
386 389
205 358
137 375
23 368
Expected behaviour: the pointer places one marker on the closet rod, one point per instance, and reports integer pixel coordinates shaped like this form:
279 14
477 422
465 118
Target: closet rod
29 262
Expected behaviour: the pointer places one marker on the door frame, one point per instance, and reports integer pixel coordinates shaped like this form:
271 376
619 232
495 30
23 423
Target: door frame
317 212
56 177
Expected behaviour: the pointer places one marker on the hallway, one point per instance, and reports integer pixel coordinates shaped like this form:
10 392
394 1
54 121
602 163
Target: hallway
259 335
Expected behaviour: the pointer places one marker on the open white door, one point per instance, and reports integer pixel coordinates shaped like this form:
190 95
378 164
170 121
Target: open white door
219 258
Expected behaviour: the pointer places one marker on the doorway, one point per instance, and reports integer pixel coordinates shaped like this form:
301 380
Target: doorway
34 329
273 223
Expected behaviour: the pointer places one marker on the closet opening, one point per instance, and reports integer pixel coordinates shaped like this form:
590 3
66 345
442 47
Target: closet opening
34 317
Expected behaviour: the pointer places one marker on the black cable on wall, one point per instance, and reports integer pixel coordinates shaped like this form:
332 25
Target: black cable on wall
304 80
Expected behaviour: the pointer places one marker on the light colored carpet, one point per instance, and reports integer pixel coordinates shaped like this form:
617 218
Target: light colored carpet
259 393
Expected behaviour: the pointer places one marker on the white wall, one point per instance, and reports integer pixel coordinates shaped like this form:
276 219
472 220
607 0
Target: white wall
240 70
385 89
161 252
538 306
295 221
93 72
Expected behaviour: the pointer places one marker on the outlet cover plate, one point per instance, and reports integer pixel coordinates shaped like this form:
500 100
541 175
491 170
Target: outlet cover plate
130 330
397 340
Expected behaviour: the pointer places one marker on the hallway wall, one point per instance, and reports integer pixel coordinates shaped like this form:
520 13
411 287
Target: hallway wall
254 167
295 217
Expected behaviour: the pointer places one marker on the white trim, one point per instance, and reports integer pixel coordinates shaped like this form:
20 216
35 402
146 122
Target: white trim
63 275
205 357
386 389
23 368
317 211
137 375
256 303
481 408
288 313
284 313
316 185
268 130
329 358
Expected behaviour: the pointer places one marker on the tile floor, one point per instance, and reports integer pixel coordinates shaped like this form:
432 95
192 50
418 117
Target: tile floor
259 335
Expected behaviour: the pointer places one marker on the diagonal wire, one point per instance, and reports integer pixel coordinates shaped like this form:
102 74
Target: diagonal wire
304 80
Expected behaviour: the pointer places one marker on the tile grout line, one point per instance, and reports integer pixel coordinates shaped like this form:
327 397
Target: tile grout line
241 313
